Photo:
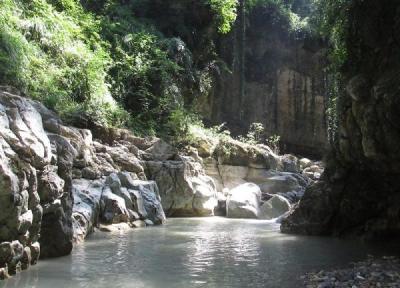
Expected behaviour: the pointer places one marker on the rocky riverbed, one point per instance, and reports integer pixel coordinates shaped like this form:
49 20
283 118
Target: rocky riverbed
61 182
384 272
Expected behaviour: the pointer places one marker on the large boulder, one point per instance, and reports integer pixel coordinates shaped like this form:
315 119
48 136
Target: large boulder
185 190
274 208
244 201
115 199
145 198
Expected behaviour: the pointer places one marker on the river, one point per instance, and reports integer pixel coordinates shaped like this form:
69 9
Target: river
193 252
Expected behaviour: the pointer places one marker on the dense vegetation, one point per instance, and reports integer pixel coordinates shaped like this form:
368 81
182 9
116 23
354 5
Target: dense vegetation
140 63
98 61
330 20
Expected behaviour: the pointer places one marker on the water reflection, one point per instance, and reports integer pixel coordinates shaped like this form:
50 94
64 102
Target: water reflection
211 252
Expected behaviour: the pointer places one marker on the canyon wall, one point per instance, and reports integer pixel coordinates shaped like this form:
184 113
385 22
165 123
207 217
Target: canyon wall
360 191
284 87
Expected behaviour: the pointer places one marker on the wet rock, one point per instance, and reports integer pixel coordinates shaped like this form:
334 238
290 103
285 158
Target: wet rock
4 273
86 210
113 228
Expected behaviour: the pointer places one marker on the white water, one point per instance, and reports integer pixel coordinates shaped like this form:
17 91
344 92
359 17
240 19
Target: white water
206 252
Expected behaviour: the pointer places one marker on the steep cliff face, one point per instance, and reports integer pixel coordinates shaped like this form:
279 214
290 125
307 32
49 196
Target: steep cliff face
360 190
284 83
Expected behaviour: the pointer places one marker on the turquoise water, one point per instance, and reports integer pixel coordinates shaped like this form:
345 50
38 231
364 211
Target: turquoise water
206 252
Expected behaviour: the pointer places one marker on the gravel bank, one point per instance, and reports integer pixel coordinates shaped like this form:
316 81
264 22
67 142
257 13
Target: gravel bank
384 272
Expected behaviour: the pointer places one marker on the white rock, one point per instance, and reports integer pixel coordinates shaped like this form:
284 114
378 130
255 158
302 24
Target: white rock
244 201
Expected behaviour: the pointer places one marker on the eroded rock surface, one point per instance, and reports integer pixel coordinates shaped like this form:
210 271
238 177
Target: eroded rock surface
58 183
185 190
359 192
36 199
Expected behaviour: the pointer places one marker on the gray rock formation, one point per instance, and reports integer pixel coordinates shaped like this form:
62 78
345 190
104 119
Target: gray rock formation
36 201
234 163
57 184
185 190
359 192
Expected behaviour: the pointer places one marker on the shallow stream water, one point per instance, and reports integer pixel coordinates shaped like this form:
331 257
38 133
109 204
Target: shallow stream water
193 252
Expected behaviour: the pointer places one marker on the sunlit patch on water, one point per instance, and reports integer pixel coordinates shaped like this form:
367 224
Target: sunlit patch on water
197 252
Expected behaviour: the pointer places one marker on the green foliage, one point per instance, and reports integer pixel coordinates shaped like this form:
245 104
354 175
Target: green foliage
256 131
330 18
254 135
294 12
226 12
178 125
331 21
102 65
53 53
274 143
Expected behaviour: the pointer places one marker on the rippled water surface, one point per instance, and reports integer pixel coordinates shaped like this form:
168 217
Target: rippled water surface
211 252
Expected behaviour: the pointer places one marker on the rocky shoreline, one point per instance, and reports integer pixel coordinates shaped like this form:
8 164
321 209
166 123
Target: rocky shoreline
382 273
59 183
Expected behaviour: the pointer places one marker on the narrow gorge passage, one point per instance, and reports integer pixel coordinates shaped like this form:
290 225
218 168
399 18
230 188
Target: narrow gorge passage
200 143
